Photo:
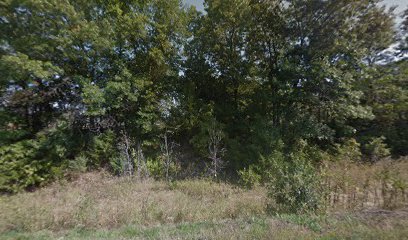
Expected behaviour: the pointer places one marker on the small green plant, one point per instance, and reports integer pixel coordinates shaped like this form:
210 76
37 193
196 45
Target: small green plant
249 177
377 149
79 164
155 168
305 220
349 151
115 165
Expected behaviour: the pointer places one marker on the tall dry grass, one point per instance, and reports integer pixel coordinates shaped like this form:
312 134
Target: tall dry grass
354 186
96 200
99 201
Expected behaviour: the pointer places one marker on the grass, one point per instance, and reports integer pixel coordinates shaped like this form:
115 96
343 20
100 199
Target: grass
98 206
255 228
353 186
99 201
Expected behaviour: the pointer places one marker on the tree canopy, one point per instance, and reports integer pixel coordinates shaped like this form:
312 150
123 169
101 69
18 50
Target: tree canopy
104 83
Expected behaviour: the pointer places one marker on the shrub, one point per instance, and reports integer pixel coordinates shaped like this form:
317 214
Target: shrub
103 151
155 168
79 164
349 151
20 166
377 149
295 184
32 162
116 166
249 177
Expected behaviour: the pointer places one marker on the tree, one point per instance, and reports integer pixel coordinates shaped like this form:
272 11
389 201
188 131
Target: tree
101 66
104 80
385 92
290 67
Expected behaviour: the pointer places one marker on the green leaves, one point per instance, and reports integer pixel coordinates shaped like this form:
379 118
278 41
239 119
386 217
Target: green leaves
21 67
20 167
94 99
295 185
261 71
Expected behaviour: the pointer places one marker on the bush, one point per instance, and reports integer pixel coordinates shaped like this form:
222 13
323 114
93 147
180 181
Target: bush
155 168
349 151
249 177
32 162
295 184
78 165
103 151
377 149
21 168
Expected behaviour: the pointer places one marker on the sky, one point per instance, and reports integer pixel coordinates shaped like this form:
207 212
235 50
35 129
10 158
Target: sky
402 4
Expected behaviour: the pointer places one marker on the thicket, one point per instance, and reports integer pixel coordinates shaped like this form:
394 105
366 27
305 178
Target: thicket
260 90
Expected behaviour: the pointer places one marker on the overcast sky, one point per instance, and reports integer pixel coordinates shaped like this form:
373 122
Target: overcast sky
402 4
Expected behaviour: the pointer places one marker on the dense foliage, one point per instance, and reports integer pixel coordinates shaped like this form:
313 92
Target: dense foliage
257 89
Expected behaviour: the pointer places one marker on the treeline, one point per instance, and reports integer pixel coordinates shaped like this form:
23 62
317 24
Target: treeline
150 87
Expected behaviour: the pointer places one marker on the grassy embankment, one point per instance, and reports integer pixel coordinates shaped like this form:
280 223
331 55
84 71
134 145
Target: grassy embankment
366 202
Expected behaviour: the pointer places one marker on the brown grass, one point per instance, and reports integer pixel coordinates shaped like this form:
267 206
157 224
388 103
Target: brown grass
96 200
356 186
99 206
